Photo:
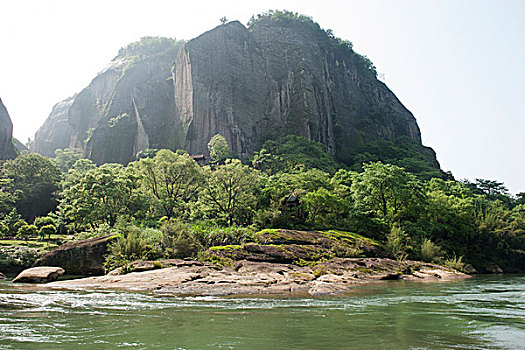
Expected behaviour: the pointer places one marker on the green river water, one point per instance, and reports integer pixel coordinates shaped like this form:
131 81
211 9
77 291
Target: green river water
479 313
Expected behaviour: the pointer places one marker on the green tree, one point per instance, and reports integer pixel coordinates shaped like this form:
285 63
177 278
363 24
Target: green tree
218 148
292 152
102 195
13 221
46 226
449 217
228 191
275 209
386 190
44 221
47 230
491 187
65 158
7 197
171 180
32 180
26 231
324 208
520 198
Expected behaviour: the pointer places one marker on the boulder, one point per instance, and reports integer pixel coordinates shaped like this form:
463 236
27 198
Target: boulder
42 274
85 257
493 268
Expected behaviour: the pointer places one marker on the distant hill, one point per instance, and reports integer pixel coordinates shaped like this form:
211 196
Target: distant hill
281 75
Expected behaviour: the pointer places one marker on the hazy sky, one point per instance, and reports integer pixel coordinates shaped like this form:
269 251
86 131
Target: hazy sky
458 66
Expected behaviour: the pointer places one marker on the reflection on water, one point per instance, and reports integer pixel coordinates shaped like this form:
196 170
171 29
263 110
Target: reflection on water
480 313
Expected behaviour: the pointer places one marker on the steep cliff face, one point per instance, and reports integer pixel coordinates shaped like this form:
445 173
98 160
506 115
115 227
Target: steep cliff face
128 107
56 131
219 88
277 77
7 148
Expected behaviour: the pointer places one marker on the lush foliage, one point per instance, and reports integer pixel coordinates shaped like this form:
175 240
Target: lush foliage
29 181
218 148
103 194
293 152
170 180
228 192
164 205
404 152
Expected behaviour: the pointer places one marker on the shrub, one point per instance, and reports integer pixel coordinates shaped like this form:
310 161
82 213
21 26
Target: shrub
130 245
4 230
429 251
455 263
13 221
398 243
14 259
99 231
177 240
210 235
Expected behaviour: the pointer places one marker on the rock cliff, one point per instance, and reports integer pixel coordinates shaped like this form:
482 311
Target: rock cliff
277 77
7 148
127 108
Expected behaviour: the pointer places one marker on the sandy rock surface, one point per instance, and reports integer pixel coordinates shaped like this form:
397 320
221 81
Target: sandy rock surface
247 277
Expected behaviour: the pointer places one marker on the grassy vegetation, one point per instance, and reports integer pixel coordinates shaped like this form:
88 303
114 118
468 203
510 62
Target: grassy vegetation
349 236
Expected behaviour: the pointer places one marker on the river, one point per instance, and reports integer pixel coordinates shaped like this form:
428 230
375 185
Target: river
480 313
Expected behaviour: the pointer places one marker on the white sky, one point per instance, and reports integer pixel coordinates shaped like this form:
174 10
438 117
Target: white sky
458 66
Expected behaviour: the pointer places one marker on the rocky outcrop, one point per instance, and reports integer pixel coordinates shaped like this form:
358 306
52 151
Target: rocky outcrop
85 257
56 131
128 107
247 277
292 246
19 146
7 148
275 78
43 274
146 265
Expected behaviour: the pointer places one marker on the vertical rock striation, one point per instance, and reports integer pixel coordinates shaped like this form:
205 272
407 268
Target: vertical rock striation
277 77
280 79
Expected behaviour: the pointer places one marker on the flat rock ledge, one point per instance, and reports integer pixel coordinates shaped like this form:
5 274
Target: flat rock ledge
335 276
42 274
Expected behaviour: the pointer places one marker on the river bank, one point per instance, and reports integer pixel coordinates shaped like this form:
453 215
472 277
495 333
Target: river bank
335 276
484 312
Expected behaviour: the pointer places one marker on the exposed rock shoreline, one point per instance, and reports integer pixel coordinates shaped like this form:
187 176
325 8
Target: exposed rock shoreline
335 276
